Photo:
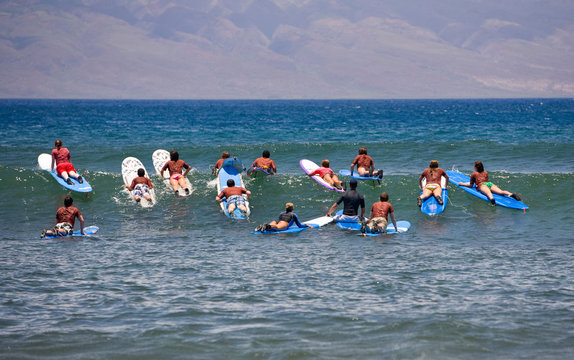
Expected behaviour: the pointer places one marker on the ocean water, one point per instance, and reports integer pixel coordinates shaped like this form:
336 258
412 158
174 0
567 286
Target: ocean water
181 281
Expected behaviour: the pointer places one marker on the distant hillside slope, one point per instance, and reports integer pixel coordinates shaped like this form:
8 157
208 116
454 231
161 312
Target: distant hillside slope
242 49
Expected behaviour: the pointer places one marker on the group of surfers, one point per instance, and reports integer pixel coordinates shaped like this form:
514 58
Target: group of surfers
429 182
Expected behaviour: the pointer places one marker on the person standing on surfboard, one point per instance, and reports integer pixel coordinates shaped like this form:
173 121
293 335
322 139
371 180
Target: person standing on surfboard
265 163
433 175
61 158
141 186
479 179
175 167
224 156
286 219
379 216
234 196
365 165
351 200
65 219
327 174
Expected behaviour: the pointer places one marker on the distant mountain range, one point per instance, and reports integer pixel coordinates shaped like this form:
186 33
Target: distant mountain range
286 49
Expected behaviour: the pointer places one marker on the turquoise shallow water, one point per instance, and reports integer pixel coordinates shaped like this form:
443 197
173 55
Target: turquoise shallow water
180 280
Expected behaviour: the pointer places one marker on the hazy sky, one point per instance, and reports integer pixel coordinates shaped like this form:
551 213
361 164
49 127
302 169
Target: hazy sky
209 49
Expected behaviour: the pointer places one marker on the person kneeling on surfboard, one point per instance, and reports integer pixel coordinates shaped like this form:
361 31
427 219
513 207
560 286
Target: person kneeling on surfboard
224 156
365 165
175 167
141 186
379 216
351 201
433 175
65 219
479 179
265 163
286 219
61 158
234 196
327 174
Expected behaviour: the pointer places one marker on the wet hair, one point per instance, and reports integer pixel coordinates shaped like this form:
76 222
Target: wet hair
266 153
433 165
478 166
362 150
325 163
384 196
58 143
174 155
289 207
68 201
141 172
225 155
230 183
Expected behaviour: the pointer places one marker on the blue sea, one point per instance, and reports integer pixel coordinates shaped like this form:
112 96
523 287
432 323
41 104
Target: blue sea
182 281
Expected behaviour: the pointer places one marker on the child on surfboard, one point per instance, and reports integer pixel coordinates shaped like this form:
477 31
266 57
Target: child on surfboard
265 163
175 167
141 186
286 219
433 175
224 156
65 220
378 219
479 179
365 165
234 196
61 158
327 174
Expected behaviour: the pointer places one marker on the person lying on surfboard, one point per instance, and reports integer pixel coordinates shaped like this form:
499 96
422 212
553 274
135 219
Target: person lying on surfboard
234 196
286 219
141 186
365 165
327 174
265 163
378 219
433 175
61 158
65 219
351 200
224 156
479 179
175 167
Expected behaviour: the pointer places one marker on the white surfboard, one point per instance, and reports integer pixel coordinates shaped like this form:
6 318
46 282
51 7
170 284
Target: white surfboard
159 158
308 167
130 167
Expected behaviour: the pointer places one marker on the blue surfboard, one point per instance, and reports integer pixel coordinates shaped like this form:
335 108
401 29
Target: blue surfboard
402 226
315 223
455 177
257 172
231 169
359 177
90 230
430 206
45 163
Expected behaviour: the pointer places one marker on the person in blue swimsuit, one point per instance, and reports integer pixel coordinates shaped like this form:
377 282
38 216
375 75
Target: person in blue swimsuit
286 219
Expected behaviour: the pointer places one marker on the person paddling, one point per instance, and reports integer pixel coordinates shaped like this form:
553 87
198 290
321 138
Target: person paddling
479 179
61 158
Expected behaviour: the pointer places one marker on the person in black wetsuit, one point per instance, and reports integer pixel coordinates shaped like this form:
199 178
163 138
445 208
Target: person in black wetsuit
286 219
351 200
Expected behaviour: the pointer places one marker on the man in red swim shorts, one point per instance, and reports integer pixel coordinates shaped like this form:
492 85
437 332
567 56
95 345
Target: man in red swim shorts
61 158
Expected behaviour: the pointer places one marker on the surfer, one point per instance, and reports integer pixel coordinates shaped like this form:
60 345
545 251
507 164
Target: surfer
65 219
479 179
175 167
224 156
433 175
286 219
351 200
378 219
61 158
327 174
141 186
234 196
365 165
265 163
